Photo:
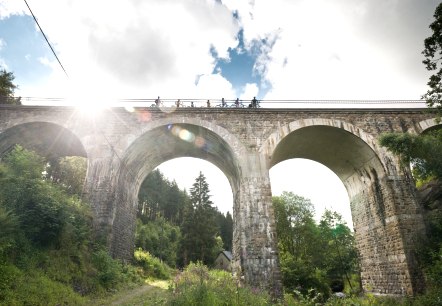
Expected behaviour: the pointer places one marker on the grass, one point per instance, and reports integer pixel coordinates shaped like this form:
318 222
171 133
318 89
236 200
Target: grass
152 292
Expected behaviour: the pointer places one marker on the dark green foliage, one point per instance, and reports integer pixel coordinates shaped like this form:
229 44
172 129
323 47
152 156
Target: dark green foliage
423 151
68 172
47 256
199 228
112 273
225 224
42 208
163 207
295 224
433 53
342 257
160 238
313 257
160 198
9 225
7 88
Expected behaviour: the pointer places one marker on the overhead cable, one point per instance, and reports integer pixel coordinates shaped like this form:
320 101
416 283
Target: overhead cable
49 44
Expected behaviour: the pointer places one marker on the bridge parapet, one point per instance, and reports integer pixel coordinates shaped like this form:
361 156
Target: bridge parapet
124 144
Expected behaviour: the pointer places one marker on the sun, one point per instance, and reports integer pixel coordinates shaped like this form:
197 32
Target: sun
89 104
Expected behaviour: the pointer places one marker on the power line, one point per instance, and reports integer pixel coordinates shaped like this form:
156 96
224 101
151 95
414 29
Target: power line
49 44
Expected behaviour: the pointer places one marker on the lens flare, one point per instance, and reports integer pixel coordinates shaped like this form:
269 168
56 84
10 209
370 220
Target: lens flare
186 135
143 115
199 141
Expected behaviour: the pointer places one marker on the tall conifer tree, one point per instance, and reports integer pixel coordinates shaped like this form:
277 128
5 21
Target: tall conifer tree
199 227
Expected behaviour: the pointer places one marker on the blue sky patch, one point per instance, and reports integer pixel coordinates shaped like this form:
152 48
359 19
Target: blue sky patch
239 68
22 46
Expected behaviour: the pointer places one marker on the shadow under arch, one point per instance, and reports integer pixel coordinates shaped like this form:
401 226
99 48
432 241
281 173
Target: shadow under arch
343 148
382 201
151 149
47 139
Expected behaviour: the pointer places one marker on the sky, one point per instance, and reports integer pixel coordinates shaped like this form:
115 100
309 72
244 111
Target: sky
208 49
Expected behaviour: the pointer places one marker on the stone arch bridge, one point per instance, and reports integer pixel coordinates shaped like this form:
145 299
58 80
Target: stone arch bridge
123 146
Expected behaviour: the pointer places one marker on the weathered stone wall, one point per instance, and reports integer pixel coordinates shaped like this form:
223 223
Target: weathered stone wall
387 227
124 146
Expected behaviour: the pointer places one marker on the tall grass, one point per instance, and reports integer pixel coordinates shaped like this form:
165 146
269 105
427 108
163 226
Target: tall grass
197 286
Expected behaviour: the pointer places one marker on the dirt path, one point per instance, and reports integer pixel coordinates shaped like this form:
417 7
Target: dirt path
130 295
148 294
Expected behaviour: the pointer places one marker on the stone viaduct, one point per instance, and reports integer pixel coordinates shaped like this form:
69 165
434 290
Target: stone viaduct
123 146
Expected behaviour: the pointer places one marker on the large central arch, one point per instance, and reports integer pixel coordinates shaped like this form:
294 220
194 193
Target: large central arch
383 203
152 148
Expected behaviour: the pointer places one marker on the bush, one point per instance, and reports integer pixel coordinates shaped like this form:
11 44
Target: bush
152 266
112 273
34 288
199 286
305 279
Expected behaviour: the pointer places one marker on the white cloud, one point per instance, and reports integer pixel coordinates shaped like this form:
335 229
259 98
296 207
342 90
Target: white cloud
340 49
250 90
46 62
138 48
3 64
8 8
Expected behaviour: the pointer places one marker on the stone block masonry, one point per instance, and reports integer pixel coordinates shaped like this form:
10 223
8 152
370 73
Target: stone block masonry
123 147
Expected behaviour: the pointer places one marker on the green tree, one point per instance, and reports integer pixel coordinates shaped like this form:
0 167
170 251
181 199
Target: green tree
199 228
339 244
159 197
160 238
295 223
423 152
9 226
7 88
312 256
43 209
68 172
433 55
299 244
225 224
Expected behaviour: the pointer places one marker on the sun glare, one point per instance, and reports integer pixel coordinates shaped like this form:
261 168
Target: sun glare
89 104
90 109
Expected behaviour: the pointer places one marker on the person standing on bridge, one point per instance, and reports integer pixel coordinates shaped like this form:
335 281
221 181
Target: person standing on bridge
254 102
208 103
237 102
223 103
157 101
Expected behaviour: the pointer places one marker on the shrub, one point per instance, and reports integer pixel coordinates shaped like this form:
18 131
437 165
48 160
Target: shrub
34 288
152 266
196 285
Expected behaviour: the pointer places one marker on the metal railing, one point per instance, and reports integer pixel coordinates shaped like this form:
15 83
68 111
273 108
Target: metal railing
218 103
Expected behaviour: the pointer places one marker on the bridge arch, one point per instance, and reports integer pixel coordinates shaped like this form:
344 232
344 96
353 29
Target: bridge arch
46 138
382 200
231 140
351 153
427 124
159 143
